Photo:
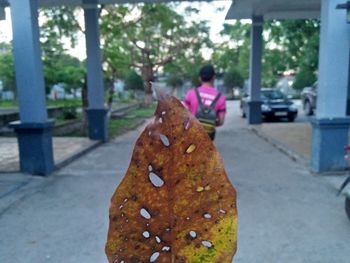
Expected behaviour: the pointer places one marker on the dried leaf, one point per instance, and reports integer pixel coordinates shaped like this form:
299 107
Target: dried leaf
175 203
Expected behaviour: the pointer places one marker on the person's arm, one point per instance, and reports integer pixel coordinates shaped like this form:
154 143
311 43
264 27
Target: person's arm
221 111
221 119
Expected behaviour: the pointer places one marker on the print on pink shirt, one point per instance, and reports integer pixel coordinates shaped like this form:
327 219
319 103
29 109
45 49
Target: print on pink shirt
207 95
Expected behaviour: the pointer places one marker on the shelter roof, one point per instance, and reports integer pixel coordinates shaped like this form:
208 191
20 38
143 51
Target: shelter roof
274 9
49 3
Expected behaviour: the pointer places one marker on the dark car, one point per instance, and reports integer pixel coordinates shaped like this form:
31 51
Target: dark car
275 105
309 97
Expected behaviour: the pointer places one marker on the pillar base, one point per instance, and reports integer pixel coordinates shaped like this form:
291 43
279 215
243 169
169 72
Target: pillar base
35 147
254 112
329 136
98 124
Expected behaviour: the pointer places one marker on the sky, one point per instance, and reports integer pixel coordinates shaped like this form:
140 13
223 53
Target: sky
207 11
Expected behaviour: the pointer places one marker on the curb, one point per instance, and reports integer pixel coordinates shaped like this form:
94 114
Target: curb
124 109
77 155
281 147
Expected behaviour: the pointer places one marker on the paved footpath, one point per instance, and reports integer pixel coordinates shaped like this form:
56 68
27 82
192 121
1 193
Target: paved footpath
286 215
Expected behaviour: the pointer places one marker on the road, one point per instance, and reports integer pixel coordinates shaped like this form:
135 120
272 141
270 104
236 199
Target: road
285 214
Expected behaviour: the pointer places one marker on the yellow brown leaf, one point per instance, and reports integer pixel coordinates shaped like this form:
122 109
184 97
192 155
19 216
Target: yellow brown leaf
175 203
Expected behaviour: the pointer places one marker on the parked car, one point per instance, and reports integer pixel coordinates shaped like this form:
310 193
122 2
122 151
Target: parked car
275 105
308 98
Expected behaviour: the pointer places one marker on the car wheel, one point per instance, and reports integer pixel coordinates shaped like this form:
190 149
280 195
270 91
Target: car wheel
347 206
308 108
243 115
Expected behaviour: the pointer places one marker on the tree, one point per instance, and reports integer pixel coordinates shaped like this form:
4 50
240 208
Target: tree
175 78
144 37
298 41
59 67
133 81
233 78
184 68
234 52
287 45
151 35
232 55
7 70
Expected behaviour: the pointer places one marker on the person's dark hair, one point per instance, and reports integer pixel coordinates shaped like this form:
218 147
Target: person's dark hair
207 73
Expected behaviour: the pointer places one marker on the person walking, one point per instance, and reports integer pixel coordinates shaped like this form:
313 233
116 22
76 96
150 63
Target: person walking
206 103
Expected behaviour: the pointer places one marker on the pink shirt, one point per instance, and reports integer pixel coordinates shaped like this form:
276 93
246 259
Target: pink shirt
207 95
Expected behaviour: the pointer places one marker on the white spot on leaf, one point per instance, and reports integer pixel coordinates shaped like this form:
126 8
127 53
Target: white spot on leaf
166 248
193 234
207 244
146 234
187 124
154 257
206 215
164 140
145 214
158 239
155 180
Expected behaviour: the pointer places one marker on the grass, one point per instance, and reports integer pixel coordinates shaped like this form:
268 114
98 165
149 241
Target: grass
59 103
143 112
120 126
8 103
65 103
116 126
130 121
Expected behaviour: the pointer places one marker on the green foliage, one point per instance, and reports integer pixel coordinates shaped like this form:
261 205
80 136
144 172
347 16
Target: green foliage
59 67
143 112
234 53
118 126
233 78
152 37
59 22
65 103
8 103
184 68
273 66
142 36
289 44
7 70
133 119
304 78
64 69
133 81
68 108
298 42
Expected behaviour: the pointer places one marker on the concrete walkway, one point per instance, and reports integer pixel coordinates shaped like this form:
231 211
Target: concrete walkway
64 149
285 213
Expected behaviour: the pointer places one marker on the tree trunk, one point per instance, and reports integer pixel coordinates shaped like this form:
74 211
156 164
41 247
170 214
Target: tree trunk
148 77
110 94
